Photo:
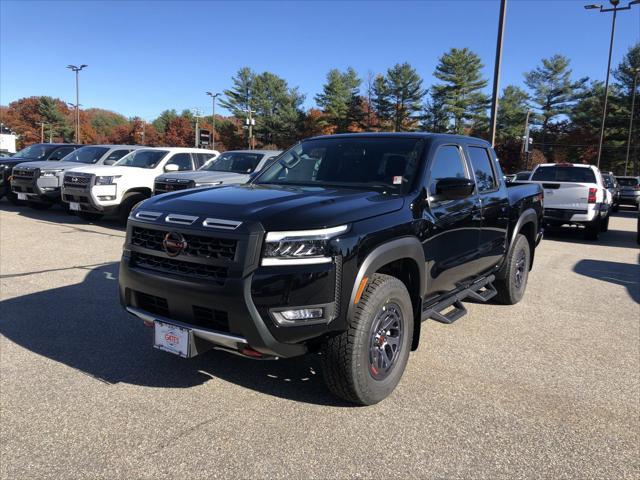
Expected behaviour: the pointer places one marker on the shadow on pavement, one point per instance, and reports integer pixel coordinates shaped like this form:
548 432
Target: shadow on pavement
610 238
625 274
58 215
83 326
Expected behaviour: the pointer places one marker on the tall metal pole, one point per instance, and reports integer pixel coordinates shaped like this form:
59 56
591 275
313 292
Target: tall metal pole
496 73
197 128
525 141
42 124
633 105
606 88
51 133
77 105
213 122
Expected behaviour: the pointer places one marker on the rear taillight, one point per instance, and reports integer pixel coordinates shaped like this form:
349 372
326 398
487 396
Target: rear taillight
592 195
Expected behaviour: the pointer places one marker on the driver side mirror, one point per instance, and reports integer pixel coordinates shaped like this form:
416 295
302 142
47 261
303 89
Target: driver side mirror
109 161
454 188
171 167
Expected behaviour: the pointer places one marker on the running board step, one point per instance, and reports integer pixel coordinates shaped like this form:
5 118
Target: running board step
481 291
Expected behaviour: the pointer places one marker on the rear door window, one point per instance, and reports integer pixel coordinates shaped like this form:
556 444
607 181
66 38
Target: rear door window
564 174
61 152
483 169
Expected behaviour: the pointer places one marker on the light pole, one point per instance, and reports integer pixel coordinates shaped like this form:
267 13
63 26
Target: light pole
633 105
42 124
77 70
615 11
496 73
213 118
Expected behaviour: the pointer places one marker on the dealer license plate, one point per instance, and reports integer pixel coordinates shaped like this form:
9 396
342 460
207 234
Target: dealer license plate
22 196
75 206
171 338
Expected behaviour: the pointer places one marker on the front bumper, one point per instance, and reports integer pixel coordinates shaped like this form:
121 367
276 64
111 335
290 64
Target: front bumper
43 189
90 197
236 307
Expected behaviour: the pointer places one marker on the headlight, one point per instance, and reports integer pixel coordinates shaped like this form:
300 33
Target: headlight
49 173
301 247
208 184
107 180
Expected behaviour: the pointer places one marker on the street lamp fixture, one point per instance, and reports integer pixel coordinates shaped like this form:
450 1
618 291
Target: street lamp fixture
213 118
77 70
615 11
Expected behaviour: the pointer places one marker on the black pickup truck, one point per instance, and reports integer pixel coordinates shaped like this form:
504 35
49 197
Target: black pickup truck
343 246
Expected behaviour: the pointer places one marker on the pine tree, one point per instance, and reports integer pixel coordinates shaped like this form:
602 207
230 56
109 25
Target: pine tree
434 117
512 113
381 102
461 88
238 99
340 100
405 96
553 93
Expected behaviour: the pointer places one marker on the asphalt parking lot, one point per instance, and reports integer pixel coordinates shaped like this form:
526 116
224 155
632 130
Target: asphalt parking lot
549 388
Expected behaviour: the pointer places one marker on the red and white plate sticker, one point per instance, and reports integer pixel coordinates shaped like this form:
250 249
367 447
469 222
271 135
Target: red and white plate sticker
397 180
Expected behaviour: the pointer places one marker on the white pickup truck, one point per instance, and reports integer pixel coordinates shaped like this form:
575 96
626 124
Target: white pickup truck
574 194
95 191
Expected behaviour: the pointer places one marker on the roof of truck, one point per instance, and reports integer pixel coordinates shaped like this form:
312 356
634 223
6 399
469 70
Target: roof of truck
432 136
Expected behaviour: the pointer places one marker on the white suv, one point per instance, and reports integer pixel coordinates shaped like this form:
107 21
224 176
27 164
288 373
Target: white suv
574 194
99 190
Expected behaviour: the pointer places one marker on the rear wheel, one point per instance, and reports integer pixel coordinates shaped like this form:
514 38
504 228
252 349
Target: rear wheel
90 216
364 364
592 230
511 280
604 225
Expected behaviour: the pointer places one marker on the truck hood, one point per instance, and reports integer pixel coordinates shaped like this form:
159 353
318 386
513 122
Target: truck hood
46 165
278 207
207 177
108 170
16 160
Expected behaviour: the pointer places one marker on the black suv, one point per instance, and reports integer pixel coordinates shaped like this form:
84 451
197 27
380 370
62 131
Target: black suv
342 246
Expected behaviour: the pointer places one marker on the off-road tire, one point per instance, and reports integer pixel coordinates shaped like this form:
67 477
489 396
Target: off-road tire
592 230
346 357
511 279
129 201
90 216
39 205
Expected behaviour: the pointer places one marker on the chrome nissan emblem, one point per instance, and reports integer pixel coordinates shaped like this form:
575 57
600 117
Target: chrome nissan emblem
74 179
174 243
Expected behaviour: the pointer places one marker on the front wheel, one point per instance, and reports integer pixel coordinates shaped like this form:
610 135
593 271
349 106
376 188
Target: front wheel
511 280
128 204
364 364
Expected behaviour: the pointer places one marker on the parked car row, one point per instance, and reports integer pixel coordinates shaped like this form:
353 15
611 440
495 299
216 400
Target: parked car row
96 180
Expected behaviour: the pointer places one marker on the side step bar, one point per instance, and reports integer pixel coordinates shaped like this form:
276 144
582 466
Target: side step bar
480 291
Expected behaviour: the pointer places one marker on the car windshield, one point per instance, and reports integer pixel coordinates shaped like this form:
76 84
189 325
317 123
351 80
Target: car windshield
86 155
236 162
627 182
37 151
564 174
380 163
142 158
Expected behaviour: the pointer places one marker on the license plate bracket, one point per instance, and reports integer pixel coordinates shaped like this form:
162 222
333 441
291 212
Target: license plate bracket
22 196
172 338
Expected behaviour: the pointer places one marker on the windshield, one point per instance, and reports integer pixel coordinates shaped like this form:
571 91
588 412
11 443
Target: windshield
564 174
142 158
236 162
37 151
381 163
86 155
627 182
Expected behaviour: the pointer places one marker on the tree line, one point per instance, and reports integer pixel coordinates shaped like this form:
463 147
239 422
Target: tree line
564 111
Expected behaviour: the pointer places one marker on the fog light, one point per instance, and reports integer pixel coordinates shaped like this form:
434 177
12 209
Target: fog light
299 316
106 197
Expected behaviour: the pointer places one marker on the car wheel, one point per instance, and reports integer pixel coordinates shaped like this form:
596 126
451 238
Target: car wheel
90 216
616 207
128 203
604 226
592 230
511 280
364 364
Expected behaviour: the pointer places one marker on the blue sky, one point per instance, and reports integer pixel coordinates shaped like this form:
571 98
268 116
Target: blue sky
145 57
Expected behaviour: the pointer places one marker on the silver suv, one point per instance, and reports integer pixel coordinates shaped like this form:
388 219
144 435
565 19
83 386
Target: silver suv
234 166
629 190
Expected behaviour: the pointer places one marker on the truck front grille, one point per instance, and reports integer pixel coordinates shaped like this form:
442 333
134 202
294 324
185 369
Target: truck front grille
179 267
165 186
24 173
197 245
77 180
